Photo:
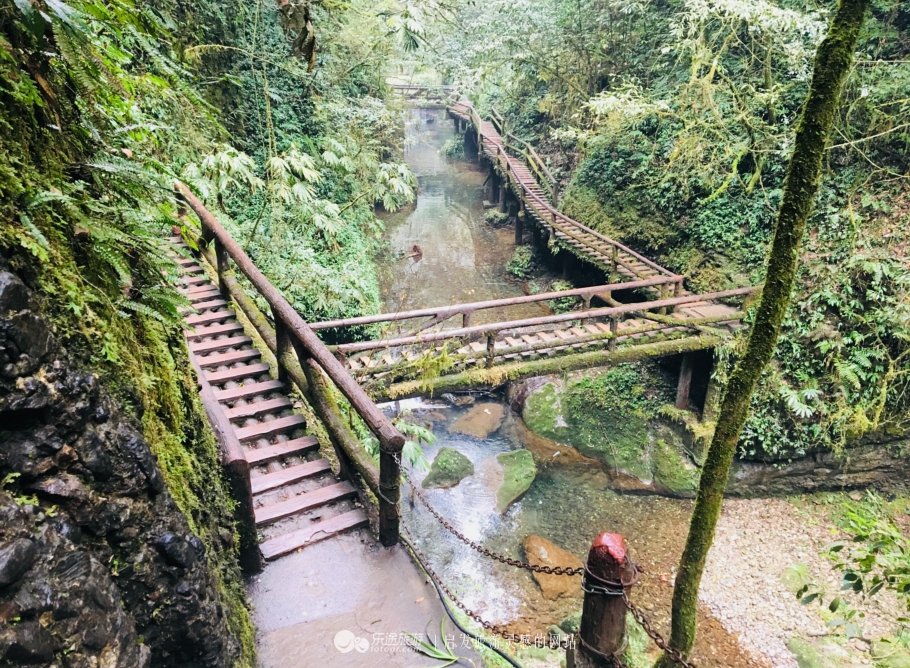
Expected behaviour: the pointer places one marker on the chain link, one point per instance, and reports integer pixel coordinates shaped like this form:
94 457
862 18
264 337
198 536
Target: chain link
489 626
658 639
517 563
639 616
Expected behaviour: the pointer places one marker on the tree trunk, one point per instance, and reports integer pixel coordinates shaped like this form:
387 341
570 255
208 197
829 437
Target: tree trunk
832 62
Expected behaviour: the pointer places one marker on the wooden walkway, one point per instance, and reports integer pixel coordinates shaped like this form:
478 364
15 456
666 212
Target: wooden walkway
297 500
611 256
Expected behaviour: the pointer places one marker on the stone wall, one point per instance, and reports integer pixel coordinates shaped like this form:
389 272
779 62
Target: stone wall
98 566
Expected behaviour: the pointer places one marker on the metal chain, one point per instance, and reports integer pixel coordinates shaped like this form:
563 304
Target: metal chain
549 570
489 626
639 616
658 639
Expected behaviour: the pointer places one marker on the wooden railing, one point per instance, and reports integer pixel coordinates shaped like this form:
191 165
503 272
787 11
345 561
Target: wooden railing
546 211
525 151
292 333
440 314
611 315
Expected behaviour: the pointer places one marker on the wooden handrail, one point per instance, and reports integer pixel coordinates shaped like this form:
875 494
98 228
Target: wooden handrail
308 346
445 312
547 209
543 320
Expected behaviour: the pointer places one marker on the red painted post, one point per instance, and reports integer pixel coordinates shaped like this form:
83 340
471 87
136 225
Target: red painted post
609 574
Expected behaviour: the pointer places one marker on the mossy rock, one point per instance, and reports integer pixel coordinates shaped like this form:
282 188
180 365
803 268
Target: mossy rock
572 623
823 653
672 469
518 472
542 413
887 654
449 468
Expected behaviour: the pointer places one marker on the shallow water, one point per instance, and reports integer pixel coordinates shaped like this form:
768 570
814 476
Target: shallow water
573 498
463 259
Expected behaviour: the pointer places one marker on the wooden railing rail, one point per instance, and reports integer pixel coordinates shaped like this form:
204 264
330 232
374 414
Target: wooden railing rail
466 310
293 332
612 313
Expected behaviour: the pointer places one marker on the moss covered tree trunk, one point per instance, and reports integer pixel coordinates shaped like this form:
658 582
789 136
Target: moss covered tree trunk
832 63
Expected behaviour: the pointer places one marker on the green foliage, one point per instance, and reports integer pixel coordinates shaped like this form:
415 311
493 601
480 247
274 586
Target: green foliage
878 556
622 389
453 149
522 263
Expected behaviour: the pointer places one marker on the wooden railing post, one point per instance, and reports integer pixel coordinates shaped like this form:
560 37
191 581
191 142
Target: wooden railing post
614 328
389 492
610 573
222 265
283 345
663 295
491 349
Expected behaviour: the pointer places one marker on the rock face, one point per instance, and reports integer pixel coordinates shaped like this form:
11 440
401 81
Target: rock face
449 468
518 472
541 552
113 576
479 422
880 466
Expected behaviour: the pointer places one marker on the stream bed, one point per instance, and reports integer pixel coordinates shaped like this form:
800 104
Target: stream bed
573 498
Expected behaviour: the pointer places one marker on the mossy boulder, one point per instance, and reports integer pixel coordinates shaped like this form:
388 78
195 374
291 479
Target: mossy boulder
449 468
888 654
795 577
572 623
625 440
819 653
518 472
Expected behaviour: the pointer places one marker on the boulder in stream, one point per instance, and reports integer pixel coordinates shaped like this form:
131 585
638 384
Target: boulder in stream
518 472
481 421
541 552
448 469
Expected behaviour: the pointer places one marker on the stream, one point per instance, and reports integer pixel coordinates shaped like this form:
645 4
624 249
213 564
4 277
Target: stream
573 498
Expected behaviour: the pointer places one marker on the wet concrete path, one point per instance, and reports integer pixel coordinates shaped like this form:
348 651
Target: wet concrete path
345 603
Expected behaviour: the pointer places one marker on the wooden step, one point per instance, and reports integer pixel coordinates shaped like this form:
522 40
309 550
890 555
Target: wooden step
276 547
258 408
270 428
248 371
209 305
297 446
228 358
191 269
210 317
194 279
200 347
291 474
306 501
204 295
249 390
213 330
196 290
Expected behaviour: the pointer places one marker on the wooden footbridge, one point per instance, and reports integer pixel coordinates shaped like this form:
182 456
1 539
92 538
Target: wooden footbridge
287 494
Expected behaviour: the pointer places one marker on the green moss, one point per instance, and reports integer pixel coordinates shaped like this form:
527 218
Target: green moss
672 470
795 577
448 469
889 654
518 472
543 414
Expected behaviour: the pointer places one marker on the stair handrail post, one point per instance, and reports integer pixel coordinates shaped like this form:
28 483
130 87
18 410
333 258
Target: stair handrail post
609 575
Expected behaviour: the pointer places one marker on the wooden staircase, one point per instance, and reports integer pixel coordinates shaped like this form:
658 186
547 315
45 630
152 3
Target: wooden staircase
297 498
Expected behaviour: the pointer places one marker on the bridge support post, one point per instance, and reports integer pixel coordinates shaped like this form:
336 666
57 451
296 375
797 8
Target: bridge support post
685 382
513 216
609 575
614 329
495 184
503 193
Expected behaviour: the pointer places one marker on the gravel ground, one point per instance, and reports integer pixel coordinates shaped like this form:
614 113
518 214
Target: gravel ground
756 540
